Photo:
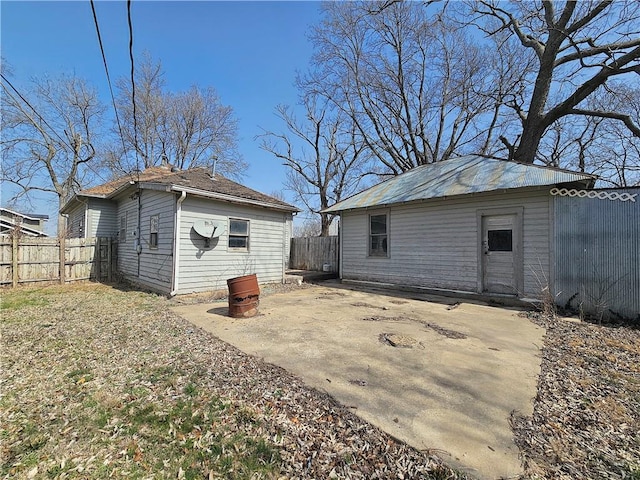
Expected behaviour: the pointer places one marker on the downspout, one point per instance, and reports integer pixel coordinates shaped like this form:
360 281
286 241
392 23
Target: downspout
86 220
138 240
176 244
340 248
284 247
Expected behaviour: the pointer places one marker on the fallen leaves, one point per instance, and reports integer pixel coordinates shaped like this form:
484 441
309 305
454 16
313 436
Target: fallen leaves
586 419
117 386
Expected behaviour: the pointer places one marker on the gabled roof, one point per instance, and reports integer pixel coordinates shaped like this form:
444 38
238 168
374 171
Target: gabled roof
104 190
460 176
195 181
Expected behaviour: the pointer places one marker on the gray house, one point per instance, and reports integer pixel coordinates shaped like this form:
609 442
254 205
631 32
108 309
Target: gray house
185 231
468 224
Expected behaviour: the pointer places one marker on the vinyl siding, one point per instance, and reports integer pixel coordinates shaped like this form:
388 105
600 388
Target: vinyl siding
75 221
102 218
127 256
435 243
156 264
203 269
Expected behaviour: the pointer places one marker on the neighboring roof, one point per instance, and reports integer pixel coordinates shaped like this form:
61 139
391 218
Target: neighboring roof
196 181
8 226
30 216
459 176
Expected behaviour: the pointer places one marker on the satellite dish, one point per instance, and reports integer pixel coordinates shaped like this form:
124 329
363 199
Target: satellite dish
207 229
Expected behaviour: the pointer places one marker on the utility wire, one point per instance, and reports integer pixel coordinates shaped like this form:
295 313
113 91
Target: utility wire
42 119
133 83
106 69
36 112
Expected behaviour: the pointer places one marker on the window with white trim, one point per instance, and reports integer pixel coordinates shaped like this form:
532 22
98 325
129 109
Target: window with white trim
378 235
238 234
81 226
154 220
122 237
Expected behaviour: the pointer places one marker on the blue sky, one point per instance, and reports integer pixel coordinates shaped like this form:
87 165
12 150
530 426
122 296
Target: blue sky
248 51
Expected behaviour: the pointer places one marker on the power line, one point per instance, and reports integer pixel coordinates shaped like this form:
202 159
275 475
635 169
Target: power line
133 83
42 119
35 111
106 69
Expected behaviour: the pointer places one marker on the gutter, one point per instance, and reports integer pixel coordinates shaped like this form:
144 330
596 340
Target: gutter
176 244
231 198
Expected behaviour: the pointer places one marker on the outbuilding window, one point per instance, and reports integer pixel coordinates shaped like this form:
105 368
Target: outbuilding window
153 231
378 235
238 234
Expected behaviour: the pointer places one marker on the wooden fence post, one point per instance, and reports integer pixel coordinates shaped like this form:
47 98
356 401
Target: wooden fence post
14 259
63 262
109 260
97 255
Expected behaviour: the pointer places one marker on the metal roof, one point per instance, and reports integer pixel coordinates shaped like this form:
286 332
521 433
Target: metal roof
459 176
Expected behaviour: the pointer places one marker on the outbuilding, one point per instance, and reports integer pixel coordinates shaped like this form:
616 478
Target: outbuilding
185 231
469 224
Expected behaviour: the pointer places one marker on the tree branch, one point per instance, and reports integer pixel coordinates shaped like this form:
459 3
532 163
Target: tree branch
626 119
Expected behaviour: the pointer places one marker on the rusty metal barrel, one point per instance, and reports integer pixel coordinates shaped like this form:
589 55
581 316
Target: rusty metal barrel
244 296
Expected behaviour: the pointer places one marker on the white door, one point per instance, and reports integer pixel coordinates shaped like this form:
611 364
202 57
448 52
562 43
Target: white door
499 240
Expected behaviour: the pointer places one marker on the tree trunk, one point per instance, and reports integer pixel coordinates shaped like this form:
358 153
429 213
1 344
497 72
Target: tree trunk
529 143
326 223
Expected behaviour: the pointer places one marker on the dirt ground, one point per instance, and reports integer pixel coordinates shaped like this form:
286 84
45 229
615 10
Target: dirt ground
441 375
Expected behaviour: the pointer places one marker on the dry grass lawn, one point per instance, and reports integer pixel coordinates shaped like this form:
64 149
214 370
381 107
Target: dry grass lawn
99 382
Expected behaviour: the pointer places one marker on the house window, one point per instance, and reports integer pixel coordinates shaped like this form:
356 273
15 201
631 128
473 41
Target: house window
123 228
378 237
81 226
153 231
238 234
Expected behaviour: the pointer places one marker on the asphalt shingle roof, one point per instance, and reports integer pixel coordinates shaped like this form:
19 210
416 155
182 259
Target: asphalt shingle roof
195 178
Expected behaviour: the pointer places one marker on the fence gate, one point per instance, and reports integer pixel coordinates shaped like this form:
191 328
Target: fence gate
314 253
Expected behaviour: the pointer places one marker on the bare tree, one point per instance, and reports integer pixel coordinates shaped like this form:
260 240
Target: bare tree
580 47
49 137
310 227
189 129
615 155
417 89
324 154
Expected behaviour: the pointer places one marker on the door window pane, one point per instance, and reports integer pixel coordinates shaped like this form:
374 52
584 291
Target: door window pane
500 240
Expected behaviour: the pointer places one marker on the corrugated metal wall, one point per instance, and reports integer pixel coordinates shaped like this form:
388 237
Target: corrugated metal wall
597 254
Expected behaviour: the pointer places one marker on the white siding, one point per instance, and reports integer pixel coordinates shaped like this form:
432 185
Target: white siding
127 256
435 243
203 269
152 267
156 264
75 221
102 218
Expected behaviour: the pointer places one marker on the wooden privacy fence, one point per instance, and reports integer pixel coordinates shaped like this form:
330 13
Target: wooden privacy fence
31 259
313 253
